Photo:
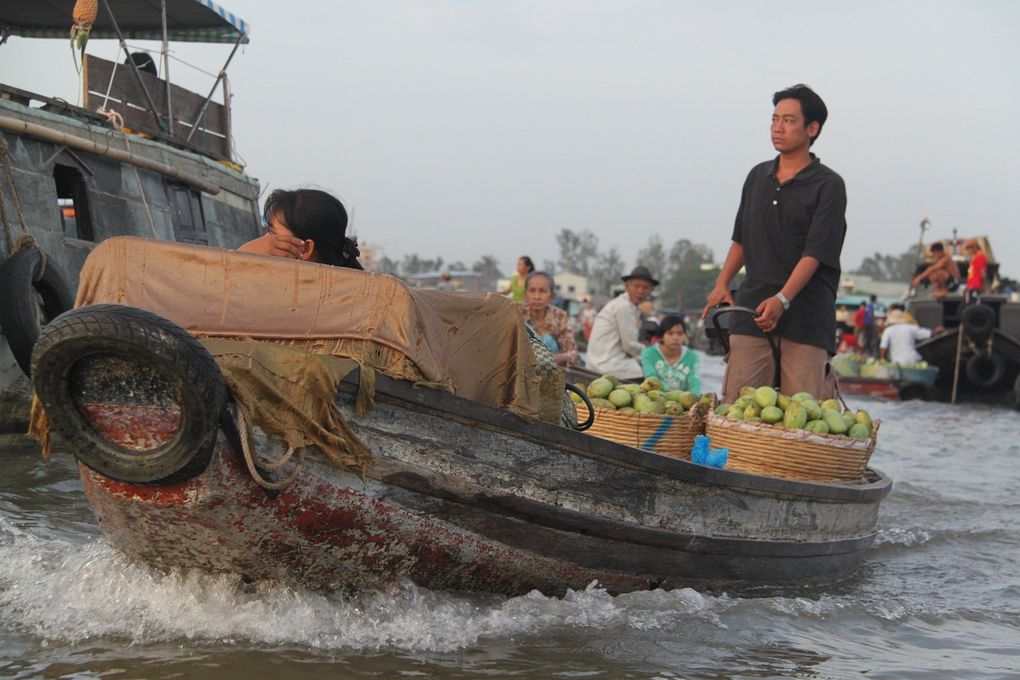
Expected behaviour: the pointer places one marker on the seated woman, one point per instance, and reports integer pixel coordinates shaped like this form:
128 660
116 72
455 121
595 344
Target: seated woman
669 361
550 323
306 224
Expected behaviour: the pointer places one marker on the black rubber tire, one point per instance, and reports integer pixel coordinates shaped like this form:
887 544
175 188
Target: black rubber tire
26 278
985 370
978 321
146 340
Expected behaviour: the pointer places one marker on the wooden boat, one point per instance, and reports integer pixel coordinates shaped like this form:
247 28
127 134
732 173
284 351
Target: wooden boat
456 494
977 350
141 156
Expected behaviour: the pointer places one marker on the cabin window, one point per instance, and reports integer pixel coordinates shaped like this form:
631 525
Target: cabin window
72 203
189 222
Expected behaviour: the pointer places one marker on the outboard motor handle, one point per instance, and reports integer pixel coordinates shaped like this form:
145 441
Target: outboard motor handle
723 334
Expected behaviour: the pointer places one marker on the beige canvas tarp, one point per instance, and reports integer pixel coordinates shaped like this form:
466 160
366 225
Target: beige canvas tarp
475 346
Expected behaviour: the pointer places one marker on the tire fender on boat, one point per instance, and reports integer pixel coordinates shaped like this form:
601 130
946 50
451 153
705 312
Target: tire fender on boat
34 293
126 358
985 370
978 321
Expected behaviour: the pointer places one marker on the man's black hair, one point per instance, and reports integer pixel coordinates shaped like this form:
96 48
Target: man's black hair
811 105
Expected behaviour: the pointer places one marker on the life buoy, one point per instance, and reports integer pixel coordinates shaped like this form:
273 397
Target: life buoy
111 354
985 370
978 320
34 293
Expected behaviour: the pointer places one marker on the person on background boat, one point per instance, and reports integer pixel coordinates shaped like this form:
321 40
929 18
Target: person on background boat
788 236
942 275
977 270
872 311
516 288
675 365
551 323
586 317
306 224
614 347
900 337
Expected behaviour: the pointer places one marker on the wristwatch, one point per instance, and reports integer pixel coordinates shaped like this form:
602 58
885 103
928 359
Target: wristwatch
782 298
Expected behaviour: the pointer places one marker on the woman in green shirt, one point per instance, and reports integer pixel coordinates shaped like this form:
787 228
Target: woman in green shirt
669 361
516 289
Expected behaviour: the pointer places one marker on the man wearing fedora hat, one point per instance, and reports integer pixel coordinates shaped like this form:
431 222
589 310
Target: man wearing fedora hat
613 347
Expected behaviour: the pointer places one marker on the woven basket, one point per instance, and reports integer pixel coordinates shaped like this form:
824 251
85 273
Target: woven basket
792 454
665 434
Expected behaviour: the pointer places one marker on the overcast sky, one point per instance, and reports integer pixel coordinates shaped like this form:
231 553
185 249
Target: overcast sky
463 128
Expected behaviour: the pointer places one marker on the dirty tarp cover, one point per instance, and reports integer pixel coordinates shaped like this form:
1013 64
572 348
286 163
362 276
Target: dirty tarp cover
475 346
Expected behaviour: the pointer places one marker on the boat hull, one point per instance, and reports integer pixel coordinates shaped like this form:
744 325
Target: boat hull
462 496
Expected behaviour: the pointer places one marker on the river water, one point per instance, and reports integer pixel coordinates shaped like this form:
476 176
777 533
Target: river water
937 597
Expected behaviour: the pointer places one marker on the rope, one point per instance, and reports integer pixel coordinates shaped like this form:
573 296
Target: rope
245 428
141 190
5 158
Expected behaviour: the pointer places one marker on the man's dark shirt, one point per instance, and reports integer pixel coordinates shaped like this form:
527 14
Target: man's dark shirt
777 226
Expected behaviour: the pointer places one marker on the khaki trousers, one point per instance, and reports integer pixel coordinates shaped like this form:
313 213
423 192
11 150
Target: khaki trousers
804 368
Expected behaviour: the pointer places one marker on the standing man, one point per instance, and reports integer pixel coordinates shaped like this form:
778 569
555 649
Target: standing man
614 348
788 236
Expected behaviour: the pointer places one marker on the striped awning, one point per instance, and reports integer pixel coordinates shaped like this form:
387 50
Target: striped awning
187 20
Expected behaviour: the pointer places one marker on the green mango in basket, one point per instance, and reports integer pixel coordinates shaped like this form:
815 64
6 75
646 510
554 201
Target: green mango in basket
674 408
795 416
620 398
801 396
652 407
632 388
863 417
722 408
576 398
832 404
848 418
627 409
765 396
752 411
600 388
772 414
859 431
651 383
814 411
640 401
656 395
835 421
818 426
602 403
746 391
783 400
735 412
611 378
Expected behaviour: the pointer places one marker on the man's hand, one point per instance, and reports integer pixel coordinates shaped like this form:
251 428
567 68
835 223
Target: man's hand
769 312
277 245
717 296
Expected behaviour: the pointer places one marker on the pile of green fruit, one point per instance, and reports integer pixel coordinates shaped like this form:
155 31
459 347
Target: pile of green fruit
799 412
609 393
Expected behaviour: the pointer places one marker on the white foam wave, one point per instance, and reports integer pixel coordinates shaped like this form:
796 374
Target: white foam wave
60 591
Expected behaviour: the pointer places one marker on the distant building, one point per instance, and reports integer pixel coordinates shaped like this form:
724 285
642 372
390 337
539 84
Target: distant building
571 286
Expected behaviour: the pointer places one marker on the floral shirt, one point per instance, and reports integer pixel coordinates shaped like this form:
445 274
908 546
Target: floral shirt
682 375
555 325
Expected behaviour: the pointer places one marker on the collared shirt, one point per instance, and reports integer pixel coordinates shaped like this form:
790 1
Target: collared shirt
778 224
900 341
613 347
